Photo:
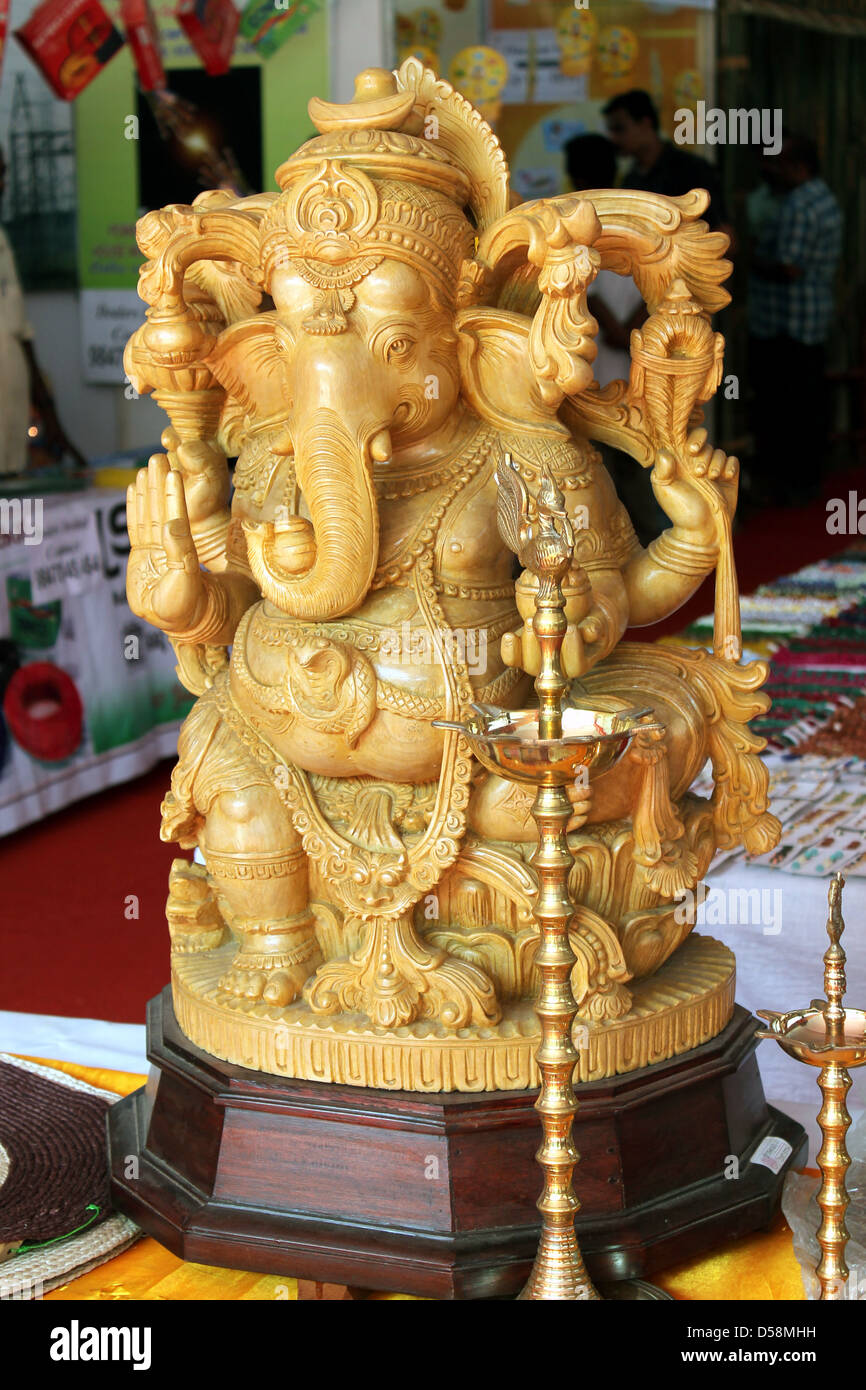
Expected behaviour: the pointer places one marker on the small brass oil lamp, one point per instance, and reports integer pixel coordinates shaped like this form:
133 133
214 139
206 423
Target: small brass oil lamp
830 1036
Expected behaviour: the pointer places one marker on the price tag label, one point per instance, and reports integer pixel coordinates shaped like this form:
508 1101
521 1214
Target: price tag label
108 320
773 1153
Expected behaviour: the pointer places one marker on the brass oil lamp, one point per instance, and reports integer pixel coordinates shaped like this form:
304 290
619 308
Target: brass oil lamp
549 748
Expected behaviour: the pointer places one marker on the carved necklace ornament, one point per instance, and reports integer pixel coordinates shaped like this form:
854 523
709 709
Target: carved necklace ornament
370 342
403 561
398 483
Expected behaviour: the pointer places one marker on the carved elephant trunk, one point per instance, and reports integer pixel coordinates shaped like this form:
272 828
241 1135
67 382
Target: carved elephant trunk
334 474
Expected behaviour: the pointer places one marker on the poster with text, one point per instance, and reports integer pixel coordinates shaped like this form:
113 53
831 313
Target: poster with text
566 62
136 151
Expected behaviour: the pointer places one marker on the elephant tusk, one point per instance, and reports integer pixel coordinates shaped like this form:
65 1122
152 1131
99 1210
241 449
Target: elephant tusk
380 447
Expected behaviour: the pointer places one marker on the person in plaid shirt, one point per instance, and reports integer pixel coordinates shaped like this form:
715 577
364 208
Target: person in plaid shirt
791 310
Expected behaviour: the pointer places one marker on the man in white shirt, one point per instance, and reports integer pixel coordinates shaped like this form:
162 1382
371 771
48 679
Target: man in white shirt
21 382
617 305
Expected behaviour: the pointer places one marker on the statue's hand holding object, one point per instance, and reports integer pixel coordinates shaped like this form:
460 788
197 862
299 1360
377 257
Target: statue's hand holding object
680 482
201 466
583 639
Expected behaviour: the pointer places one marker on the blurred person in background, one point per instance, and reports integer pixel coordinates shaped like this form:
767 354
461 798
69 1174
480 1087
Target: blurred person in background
618 307
657 165
22 385
763 211
614 300
791 308
764 204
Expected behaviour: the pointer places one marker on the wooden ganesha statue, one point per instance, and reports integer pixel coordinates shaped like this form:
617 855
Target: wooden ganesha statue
369 343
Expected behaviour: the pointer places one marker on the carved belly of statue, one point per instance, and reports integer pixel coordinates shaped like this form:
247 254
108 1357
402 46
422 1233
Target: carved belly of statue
358 697
364 910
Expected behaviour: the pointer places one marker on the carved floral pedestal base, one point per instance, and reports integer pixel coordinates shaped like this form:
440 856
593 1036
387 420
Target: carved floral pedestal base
435 1194
684 1004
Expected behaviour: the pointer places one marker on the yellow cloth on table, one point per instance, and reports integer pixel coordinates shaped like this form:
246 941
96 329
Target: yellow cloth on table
761 1266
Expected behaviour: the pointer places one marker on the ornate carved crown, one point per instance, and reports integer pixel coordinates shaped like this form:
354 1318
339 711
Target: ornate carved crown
393 173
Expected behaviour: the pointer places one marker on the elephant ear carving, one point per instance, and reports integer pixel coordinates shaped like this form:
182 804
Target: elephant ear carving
249 361
555 236
496 372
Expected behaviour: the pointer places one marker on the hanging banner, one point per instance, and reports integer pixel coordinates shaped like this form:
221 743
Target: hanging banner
70 41
211 27
269 28
4 23
167 145
143 38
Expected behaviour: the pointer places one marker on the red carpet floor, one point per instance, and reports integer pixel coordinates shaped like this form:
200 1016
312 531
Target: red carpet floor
69 949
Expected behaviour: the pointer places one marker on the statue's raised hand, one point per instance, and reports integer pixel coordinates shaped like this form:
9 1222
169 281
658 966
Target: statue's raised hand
692 485
164 583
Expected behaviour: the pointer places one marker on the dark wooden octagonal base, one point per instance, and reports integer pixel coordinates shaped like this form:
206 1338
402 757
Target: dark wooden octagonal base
435 1194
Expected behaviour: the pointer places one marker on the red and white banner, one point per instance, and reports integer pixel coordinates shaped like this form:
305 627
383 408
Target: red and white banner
70 41
4 23
142 35
211 27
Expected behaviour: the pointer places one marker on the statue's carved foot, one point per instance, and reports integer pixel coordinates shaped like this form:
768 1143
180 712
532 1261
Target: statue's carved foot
394 978
271 979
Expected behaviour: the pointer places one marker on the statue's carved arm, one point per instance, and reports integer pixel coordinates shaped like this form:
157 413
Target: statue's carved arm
657 240
698 485
678 266
677 365
537 262
535 265
649 236
202 275
227 597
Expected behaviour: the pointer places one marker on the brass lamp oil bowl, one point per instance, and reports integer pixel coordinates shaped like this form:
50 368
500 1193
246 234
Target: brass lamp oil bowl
811 1037
830 1036
509 742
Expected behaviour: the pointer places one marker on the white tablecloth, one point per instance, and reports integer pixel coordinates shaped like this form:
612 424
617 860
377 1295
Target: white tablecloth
784 969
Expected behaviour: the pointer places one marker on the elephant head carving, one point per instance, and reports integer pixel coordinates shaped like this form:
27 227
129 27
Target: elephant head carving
401 283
